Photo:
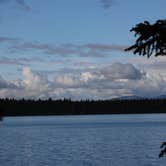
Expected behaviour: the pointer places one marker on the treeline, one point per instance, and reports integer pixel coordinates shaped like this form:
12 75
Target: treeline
12 107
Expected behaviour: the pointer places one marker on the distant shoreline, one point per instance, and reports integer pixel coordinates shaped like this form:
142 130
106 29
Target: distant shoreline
12 107
67 115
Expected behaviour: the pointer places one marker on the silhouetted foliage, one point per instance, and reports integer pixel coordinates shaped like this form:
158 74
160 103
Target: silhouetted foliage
151 39
163 150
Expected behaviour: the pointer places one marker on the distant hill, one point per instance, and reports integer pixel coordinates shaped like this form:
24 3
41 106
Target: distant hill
140 97
130 97
161 97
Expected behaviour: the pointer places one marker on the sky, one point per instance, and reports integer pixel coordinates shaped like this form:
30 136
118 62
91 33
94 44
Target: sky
75 49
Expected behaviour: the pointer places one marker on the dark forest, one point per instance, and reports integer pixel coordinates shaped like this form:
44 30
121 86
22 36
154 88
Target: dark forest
13 107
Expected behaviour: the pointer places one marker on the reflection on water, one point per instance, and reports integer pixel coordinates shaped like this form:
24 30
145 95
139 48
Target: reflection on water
82 140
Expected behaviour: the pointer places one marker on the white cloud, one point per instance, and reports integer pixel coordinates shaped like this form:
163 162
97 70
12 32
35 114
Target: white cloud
33 81
86 76
33 85
65 81
99 83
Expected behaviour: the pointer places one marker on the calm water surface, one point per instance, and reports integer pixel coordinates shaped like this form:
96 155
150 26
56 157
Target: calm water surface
100 140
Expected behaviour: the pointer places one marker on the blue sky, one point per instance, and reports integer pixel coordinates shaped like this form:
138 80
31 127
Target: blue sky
74 49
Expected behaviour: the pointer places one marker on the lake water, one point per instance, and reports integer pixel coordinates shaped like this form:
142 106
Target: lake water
96 140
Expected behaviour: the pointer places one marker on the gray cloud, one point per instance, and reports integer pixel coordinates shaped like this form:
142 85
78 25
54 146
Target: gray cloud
9 40
122 71
104 47
6 84
45 48
21 3
85 50
10 62
17 61
106 3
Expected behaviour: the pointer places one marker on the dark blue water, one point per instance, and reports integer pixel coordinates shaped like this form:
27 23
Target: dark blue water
101 140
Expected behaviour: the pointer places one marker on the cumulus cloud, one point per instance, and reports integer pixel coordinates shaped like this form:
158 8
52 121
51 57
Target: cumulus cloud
66 81
86 76
32 85
122 71
100 83
34 82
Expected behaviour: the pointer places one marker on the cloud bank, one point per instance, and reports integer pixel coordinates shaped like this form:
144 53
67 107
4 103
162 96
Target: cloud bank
108 82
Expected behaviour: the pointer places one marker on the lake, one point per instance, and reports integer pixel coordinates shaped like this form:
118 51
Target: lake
92 140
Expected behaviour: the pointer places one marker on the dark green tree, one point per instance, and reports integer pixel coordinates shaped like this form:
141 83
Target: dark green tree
151 39
163 150
1 114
